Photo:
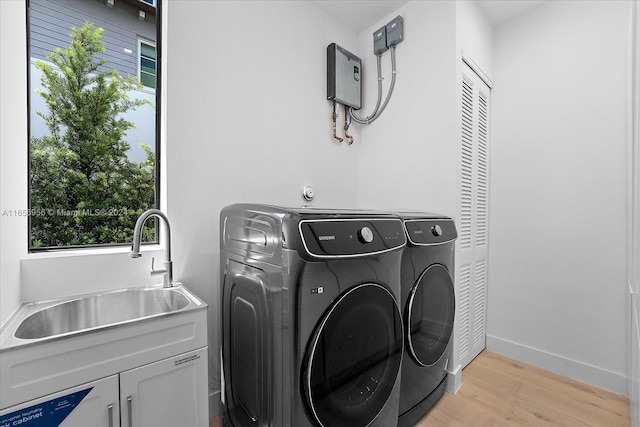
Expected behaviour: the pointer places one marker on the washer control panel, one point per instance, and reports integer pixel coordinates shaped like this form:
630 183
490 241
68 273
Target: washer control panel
351 237
430 231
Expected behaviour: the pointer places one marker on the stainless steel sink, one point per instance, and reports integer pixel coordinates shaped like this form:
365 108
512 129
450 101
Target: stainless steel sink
47 320
47 346
100 310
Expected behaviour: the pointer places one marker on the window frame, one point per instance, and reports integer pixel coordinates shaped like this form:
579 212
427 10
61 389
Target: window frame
141 41
159 148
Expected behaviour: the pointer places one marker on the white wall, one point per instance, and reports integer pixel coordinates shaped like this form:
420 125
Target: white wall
407 157
474 35
13 152
633 219
557 286
248 121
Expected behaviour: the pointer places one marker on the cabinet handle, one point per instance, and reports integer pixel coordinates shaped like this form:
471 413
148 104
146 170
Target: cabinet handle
130 410
110 412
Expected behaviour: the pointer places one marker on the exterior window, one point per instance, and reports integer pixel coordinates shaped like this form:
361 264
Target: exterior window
93 122
148 64
151 2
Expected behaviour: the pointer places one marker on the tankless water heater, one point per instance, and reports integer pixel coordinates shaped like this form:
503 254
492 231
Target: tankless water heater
344 72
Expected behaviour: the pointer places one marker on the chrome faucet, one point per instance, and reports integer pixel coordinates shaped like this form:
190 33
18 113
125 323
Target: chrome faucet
137 238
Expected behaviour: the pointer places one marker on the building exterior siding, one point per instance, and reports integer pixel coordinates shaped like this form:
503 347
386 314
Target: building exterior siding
51 22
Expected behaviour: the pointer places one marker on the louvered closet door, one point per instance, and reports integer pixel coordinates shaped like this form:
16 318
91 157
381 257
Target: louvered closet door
471 256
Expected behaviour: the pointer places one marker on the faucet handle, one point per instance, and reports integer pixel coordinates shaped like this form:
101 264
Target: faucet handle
154 271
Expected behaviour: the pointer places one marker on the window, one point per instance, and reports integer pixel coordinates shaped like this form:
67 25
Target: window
93 123
147 64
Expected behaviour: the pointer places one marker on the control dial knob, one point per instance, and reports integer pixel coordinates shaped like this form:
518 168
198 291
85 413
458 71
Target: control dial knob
365 235
436 230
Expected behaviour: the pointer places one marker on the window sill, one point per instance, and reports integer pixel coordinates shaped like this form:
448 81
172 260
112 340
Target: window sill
90 251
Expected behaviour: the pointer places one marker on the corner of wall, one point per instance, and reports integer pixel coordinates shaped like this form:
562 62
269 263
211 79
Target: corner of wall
474 35
13 157
633 212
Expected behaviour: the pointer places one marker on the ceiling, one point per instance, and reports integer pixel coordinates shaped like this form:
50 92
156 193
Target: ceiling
499 11
360 15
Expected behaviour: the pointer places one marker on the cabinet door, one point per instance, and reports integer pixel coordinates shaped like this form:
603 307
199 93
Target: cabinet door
170 393
92 404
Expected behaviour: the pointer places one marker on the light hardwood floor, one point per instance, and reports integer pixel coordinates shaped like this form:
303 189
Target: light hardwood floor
497 391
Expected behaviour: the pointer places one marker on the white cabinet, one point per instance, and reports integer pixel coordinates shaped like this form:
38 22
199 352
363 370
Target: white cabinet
92 404
171 392
37 367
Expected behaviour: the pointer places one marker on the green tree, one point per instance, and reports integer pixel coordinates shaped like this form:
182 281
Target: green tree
84 190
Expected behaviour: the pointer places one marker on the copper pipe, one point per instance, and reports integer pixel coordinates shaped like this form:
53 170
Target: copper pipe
346 125
334 120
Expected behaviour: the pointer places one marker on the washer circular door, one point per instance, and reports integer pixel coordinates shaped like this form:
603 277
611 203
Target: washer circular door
429 315
354 358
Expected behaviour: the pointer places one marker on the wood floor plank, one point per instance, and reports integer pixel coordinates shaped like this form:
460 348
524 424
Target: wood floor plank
500 392
215 421
497 391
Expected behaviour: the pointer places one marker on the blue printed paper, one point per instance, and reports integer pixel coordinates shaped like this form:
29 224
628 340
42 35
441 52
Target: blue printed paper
46 414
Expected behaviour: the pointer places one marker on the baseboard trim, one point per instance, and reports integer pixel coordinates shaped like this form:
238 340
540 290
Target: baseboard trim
214 403
454 379
579 371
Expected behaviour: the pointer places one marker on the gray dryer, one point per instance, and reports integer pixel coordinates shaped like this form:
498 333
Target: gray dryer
428 304
312 332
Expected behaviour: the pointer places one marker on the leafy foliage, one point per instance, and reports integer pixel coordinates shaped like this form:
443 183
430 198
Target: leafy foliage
84 190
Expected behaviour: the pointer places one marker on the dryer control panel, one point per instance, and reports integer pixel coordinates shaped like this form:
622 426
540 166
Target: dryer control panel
430 231
329 238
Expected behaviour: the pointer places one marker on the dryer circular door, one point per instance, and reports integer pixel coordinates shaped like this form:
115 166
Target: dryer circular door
354 358
429 315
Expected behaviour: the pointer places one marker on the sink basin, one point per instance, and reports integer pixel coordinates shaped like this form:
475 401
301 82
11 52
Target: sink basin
35 322
48 346
100 310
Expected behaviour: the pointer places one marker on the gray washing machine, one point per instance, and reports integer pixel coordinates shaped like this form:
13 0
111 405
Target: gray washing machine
312 333
428 304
